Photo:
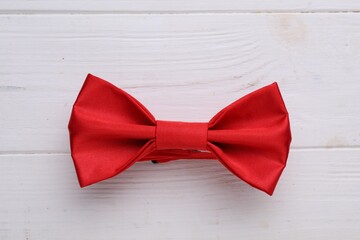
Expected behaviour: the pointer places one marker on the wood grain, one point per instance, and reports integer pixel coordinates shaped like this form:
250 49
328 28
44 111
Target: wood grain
182 68
178 6
317 198
185 60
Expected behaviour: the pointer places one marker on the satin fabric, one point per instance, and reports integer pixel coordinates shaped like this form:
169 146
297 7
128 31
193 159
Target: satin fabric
110 131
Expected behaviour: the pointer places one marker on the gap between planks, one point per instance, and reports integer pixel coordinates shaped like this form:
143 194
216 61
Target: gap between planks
180 12
296 149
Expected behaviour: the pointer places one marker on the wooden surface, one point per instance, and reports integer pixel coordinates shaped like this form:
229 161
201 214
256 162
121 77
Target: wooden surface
185 6
184 62
317 198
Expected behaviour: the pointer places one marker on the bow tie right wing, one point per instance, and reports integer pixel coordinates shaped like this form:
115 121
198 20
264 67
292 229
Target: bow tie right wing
251 137
109 131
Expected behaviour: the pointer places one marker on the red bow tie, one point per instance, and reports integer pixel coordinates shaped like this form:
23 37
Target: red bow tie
110 131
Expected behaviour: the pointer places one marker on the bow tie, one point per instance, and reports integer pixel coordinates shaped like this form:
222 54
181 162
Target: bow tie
110 131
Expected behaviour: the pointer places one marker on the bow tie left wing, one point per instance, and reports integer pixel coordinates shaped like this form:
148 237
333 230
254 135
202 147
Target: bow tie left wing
251 137
109 131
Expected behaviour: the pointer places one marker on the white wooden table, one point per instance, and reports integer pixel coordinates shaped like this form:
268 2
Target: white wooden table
184 60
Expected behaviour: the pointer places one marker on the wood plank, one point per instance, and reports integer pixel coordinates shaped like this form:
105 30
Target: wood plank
179 6
182 67
318 198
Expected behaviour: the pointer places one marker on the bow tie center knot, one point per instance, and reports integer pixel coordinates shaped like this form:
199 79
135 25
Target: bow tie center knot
181 135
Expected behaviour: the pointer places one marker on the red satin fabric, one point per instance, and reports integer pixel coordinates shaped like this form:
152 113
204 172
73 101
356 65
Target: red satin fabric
110 131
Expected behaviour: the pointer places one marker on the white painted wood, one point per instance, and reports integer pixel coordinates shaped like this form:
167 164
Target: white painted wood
180 6
317 198
185 60
182 67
